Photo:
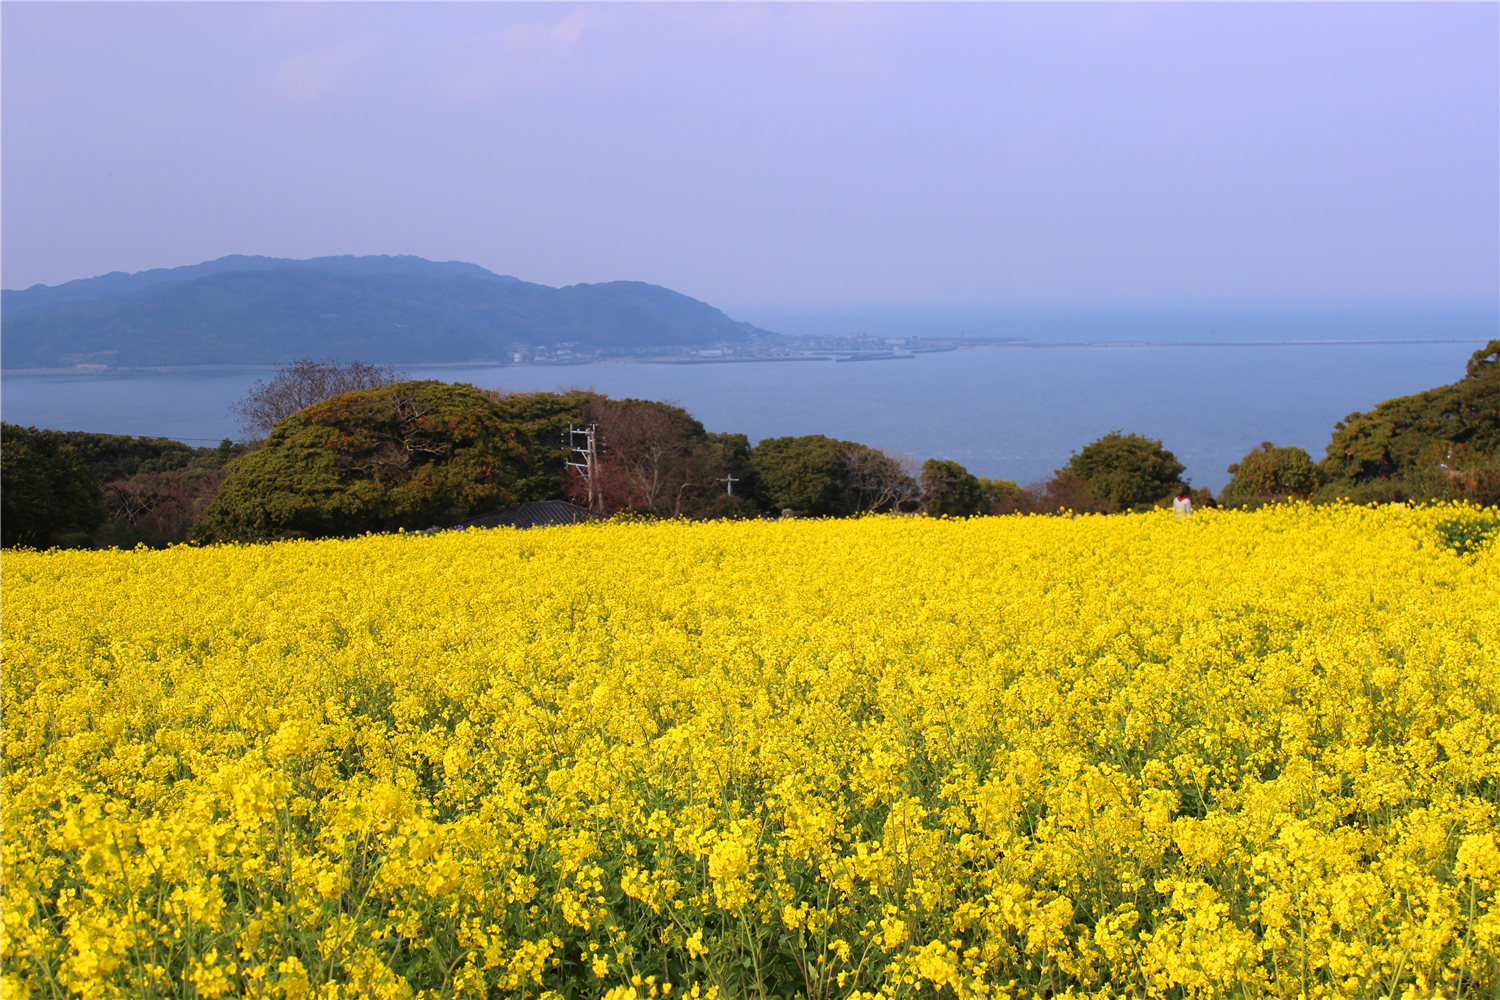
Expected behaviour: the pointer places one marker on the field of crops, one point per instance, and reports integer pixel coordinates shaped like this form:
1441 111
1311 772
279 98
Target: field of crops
1233 755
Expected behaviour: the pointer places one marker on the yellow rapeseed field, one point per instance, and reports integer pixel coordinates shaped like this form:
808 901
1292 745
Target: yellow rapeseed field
1246 755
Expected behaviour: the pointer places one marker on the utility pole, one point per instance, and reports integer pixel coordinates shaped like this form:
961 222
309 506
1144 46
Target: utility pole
729 482
583 455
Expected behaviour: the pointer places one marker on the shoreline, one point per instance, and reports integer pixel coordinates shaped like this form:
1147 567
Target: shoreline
832 356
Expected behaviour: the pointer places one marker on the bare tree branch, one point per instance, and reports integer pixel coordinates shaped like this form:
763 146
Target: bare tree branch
653 458
302 383
880 480
149 497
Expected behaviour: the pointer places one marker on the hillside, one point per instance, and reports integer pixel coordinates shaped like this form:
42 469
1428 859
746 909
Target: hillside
261 310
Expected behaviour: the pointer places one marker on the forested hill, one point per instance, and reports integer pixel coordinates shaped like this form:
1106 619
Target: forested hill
262 310
13 302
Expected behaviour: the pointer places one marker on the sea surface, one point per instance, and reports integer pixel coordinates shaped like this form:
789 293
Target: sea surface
1009 412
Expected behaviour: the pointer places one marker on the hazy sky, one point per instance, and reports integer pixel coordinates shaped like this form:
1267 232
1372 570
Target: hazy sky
771 154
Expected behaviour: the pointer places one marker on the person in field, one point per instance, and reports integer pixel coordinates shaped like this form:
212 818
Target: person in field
1183 505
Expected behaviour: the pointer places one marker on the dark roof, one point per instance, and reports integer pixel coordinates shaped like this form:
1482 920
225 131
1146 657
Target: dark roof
533 514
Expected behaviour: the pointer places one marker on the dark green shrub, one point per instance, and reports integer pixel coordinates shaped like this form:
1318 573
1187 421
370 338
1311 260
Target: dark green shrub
806 474
408 455
47 496
1435 445
1124 471
1270 475
948 489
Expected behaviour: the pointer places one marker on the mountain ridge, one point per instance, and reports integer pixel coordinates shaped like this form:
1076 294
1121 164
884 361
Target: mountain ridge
405 310
13 301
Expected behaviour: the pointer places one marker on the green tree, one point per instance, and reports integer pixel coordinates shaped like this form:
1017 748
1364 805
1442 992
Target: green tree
998 493
537 424
949 489
1269 474
1441 443
806 474
108 457
731 453
1125 471
154 489
407 455
46 493
727 454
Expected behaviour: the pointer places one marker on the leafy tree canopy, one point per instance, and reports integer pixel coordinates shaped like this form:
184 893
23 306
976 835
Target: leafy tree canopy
46 493
1269 474
949 489
728 453
1125 471
1423 446
998 493
405 455
118 456
806 474
539 423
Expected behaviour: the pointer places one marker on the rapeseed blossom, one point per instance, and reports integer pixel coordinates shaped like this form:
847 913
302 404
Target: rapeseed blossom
1233 754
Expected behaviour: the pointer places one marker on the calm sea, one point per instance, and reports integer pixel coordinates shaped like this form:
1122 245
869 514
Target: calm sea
1010 412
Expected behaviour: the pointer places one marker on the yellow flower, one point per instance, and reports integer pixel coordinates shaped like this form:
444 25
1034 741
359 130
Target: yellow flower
1246 754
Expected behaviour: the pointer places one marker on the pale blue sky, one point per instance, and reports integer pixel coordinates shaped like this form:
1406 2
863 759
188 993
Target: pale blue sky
784 154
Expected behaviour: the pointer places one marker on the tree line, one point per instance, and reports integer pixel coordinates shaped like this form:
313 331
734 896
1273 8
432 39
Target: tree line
353 448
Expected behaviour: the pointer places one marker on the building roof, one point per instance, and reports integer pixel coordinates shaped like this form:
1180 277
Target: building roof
532 514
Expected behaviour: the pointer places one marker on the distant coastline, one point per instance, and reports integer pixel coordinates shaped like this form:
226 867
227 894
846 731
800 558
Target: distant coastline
826 355
1006 414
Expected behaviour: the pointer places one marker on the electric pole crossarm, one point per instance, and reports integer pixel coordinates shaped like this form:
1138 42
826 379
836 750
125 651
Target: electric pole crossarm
583 455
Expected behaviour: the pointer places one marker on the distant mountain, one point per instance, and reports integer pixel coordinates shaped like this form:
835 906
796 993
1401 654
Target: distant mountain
123 283
263 310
